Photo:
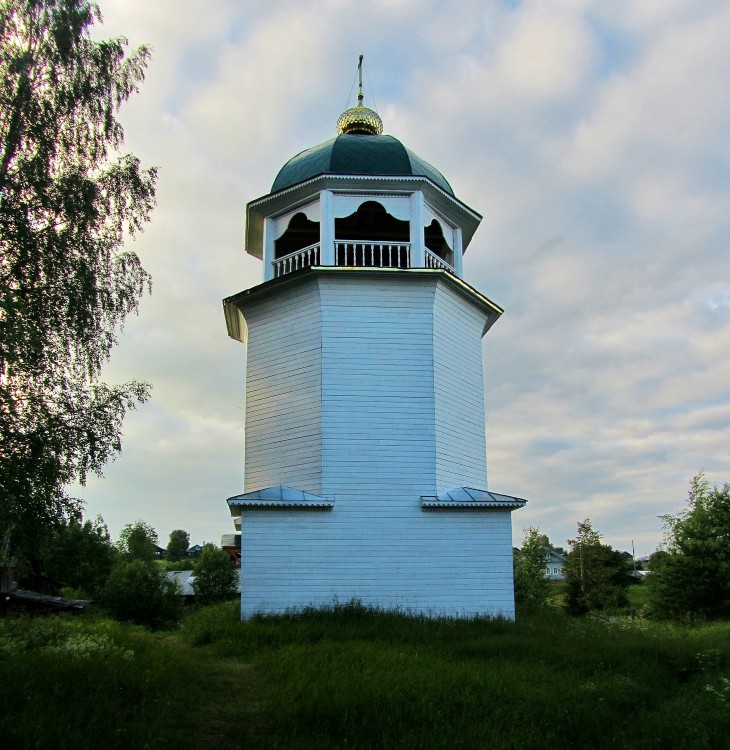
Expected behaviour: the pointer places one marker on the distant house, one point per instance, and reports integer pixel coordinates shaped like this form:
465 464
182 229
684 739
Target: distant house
195 550
555 570
231 543
40 583
555 567
185 579
639 575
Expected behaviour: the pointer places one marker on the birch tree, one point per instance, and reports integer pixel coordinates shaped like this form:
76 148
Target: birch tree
69 197
532 586
596 574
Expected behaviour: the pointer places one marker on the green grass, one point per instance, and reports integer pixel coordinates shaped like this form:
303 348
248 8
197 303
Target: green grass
69 683
354 678
639 596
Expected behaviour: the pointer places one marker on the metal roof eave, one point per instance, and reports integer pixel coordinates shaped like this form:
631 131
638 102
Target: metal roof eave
278 497
239 508
468 498
236 324
474 507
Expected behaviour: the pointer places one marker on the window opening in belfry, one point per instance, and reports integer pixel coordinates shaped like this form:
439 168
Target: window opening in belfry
300 233
435 242
372 237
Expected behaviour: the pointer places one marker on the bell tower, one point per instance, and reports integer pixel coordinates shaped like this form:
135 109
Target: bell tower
365 454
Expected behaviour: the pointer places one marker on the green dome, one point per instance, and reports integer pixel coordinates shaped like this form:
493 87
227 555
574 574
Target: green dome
357 154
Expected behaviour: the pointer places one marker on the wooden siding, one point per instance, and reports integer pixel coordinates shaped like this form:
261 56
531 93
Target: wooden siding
386 554
283 391
459 392
377 387
365 385
368 388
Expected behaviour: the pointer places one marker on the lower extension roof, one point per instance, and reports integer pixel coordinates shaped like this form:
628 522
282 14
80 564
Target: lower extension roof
281 497
276 498
468 498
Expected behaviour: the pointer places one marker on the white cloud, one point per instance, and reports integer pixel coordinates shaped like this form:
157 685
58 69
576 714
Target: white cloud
593 137
545 53
671 106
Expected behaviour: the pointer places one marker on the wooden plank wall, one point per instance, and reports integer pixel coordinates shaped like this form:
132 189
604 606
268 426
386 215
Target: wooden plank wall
369 389
461 451
443 563
378 435
283 391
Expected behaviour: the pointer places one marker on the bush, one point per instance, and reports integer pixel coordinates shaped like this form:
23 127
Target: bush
596 574
532 587
216 578
691 577
177 564
75 682
138 541
81 555
141 592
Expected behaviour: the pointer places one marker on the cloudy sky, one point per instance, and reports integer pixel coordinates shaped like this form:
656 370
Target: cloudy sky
594 137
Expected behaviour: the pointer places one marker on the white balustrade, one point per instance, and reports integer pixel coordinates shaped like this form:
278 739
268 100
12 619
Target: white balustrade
307 256
433 261
359 253
373 254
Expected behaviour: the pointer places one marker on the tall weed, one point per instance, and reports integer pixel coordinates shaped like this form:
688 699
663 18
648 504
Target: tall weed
352 677
72 683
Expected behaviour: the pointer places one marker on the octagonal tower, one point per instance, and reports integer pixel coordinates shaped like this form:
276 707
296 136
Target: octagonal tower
365 451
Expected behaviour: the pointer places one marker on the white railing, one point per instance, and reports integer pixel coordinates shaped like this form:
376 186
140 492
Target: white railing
307 256
372 254
433 261
361 253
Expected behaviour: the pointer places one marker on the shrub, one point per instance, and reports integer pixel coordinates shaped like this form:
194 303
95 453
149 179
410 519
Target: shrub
691 577
595 573
141 592
79 554
216 578
532 587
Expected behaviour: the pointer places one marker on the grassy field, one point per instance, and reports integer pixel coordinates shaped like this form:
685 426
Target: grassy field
353 678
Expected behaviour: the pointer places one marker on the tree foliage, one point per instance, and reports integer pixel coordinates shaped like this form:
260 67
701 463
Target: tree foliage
141 592
68 198
532 587
177 546
692 578
81 555
596 574
138 541
216 577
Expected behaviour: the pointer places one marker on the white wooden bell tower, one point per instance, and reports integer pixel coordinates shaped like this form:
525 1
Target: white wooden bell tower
365 451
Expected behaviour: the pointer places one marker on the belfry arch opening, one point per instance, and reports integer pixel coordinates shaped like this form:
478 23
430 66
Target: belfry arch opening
300 233
372 237
435 241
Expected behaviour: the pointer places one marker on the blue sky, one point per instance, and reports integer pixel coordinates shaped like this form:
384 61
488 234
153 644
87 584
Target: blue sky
594 138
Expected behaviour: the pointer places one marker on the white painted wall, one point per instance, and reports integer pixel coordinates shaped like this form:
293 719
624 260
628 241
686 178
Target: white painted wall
391 554
367 387
283 391
461 451
377 385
